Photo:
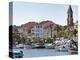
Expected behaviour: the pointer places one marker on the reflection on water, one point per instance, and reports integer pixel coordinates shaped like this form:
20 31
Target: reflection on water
42 52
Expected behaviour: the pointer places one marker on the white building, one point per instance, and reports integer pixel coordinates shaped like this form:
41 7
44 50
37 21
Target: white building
37 31
48 31
43 32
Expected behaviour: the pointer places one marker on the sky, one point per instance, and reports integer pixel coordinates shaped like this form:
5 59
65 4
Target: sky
24 12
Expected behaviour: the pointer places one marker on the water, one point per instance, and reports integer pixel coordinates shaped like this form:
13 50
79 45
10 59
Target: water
41 52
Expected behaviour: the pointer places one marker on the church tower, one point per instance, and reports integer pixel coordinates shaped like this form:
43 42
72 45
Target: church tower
69 18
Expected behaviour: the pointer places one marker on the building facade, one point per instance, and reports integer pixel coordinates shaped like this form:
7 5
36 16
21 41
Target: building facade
37 31
42 31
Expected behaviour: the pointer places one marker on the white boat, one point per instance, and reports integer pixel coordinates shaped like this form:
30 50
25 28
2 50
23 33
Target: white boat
27 46
61 48
20 46
49 46
16 54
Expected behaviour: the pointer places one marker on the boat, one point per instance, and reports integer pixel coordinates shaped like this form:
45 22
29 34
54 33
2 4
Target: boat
61 48
27 46
37 46
16 54
49 46
73 50
21 46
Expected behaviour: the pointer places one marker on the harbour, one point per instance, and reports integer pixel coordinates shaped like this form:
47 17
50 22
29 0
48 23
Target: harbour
29 53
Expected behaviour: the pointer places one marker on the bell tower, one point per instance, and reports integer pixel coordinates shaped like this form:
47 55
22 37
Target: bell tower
69 18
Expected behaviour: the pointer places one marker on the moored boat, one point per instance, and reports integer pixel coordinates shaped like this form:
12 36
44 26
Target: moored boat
73 50
49 46
61 48
16 54
37 46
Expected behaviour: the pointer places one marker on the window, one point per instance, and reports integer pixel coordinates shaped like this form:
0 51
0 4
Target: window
32 30
33 33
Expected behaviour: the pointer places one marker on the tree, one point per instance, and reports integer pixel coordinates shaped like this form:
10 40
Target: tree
51 29
58 29
49 40
74 32
34 40
16 37
64 28
23 40
54 37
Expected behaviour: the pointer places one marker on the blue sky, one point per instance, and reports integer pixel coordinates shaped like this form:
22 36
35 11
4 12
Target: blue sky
24 12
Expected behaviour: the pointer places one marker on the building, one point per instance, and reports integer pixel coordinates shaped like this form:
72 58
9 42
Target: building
43 30
70 18
21 31
70 25
76 25
37 31
49 31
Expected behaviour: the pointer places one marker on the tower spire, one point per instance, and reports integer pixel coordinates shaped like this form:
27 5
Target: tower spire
70 16
70 9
